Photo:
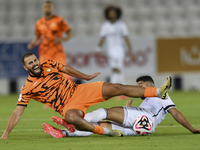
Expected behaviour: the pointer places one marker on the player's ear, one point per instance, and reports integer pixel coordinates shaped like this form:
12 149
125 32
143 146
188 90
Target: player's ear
52 7
25 68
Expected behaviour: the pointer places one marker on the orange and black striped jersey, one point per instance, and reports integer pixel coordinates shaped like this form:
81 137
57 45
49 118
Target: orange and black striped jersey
51 88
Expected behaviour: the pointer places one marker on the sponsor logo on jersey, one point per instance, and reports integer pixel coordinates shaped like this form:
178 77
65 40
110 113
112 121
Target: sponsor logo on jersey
49 70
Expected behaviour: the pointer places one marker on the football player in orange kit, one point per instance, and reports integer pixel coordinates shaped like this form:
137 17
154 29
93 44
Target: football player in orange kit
46 84
49 32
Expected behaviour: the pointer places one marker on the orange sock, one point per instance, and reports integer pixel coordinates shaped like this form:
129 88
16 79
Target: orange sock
150 92
98 129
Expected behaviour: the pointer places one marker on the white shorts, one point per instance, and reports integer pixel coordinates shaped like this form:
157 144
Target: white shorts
116 61
130 113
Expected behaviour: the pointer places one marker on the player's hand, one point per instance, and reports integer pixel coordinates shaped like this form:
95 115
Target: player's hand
92 76
98 50
131 56
31 46
58 40
196 131
97 53
129 103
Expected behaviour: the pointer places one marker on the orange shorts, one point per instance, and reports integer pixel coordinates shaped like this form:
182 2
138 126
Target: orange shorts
85 96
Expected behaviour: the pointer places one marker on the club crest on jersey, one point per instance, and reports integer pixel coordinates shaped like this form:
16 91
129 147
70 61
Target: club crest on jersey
49 70
53 25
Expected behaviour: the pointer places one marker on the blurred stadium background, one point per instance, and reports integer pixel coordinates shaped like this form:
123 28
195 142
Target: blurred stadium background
165 35
163 18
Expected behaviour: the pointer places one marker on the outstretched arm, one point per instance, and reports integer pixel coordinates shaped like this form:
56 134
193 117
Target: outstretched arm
128 43
178 116
34 43
99 46
14 118
75 73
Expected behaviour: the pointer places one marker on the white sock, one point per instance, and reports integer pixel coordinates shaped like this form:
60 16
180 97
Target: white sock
158 92
96 116
76 133
80 133
127 131
106 131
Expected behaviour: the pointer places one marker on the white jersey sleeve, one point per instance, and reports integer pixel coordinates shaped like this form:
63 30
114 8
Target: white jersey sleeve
103 30
124 29
167 104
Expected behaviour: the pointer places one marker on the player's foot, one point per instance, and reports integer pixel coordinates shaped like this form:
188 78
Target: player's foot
122 97
55 132
115 133
63 123
163 89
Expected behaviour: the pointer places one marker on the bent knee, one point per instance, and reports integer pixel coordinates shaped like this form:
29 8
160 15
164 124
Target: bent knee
71 117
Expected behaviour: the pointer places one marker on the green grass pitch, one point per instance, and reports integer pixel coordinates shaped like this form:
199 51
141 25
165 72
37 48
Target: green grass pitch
29 135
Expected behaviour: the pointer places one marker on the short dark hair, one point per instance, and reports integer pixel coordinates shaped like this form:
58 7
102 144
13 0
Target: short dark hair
27 54
48 2
145 78
115 8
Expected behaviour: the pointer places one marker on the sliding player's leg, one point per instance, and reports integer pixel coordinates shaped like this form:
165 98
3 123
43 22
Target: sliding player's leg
75 117
117 126
114 113
110 90
60 133
94 116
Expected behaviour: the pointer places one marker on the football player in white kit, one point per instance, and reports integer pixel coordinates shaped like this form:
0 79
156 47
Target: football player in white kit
123 117
115 33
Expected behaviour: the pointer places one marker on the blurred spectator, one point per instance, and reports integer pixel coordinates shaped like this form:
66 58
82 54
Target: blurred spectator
115 32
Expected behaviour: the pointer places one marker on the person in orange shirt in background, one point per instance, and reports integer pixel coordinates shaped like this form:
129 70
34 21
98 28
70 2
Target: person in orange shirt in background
49 32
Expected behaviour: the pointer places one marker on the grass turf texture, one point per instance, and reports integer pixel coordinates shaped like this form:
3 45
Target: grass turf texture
28 133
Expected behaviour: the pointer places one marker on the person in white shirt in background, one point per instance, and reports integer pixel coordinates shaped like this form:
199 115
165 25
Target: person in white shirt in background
115 33
123 117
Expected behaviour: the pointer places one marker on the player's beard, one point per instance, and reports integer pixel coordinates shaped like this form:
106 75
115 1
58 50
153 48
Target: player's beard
32 71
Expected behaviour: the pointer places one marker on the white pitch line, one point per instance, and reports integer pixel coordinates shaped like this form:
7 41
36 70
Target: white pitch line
30 119
19 130
173 126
